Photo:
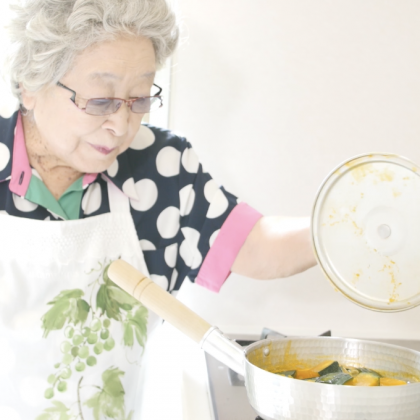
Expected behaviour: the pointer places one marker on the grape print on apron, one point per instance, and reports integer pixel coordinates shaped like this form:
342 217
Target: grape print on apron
71 341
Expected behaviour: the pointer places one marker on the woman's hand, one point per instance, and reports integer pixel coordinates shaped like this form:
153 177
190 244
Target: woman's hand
276 247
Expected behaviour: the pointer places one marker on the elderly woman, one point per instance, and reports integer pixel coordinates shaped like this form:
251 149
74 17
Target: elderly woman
83 183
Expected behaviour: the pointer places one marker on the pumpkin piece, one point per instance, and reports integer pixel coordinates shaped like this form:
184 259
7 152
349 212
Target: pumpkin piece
329 366
372 372
349 382
305 374
350 370
391 382
366 379
339 378
288 373
322 365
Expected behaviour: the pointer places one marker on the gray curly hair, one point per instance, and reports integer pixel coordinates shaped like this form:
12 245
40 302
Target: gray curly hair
47 35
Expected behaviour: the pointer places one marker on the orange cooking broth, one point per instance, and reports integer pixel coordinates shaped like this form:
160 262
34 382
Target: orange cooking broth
292 362
390 382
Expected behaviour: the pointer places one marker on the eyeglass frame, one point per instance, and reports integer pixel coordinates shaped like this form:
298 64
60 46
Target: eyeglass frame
128 102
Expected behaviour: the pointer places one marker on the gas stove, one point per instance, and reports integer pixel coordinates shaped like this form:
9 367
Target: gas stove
227 388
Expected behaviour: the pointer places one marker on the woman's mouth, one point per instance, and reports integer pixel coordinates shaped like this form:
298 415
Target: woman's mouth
102 149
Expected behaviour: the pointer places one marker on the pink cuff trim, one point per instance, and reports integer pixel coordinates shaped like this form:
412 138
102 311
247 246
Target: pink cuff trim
219 260
21 170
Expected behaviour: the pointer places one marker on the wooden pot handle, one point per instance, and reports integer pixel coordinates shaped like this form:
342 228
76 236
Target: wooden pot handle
158 300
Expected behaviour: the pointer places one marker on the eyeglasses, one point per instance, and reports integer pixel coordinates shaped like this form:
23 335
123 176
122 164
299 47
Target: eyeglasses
107 106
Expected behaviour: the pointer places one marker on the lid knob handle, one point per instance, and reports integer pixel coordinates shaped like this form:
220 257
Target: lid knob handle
384 231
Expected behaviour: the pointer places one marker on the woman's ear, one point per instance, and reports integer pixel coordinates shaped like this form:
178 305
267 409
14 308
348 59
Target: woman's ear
28 98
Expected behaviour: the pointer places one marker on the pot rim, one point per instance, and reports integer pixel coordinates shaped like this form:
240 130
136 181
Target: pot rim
267 341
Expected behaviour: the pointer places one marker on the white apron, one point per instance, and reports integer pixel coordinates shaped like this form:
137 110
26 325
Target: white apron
70 341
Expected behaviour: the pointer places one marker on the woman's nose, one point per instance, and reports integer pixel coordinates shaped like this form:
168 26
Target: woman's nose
118 121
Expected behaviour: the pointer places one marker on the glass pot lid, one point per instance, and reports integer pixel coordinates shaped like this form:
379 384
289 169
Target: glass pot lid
366 231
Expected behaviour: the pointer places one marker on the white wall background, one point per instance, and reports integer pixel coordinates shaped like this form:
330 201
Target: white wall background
273 94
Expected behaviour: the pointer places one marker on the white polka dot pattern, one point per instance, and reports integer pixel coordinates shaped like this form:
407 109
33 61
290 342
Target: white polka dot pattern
4 156
92 199
129 188
8 107
147 193
173 279
171 252
113 169
213 237
24 205
218 205
210 189
168 161
168 222
143 139
161 281
146 245
190 161
189 248
186 198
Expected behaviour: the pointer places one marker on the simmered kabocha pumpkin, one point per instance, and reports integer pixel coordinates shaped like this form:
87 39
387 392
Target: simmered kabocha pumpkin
305 374
337 378
331 372
364 379
329 366
391 382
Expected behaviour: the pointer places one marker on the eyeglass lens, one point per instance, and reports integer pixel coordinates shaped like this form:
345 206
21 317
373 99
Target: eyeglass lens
103 106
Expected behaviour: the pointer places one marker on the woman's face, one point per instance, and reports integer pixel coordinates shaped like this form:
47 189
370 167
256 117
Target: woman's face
124 68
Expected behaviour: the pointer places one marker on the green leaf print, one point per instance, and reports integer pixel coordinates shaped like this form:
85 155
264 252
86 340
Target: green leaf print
136 325
105 276
58 412
107 304
109 402
68 306
111 299
83 309
122 297
87 329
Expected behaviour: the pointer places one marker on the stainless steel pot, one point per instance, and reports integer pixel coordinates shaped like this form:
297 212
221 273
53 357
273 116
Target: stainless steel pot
276 397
